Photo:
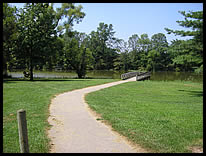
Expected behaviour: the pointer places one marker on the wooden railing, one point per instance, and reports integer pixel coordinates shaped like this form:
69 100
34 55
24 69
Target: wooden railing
129 75
143 76
139 75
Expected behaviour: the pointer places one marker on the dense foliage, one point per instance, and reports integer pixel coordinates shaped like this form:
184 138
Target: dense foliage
35 38
188 55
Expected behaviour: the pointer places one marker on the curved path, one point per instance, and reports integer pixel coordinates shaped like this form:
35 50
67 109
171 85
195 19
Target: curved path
76 130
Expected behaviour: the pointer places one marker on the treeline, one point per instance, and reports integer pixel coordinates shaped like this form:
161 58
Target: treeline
34 37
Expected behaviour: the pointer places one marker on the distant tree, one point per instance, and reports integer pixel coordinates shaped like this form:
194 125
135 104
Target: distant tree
159 43
134 47
122 62
77 54
55 57
134 43
145 47
139 48
101 47
153 60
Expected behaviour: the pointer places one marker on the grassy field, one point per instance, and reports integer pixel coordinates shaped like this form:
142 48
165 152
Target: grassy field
161 116
34 97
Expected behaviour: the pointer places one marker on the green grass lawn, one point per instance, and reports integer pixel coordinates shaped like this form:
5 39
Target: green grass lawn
161 116
34 97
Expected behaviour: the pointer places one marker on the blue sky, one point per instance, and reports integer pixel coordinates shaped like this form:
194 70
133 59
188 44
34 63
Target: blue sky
134 18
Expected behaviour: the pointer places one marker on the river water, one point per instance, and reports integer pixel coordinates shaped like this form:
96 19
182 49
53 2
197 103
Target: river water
159 76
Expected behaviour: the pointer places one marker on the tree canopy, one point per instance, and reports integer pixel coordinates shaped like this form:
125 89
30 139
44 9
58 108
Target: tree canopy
189 54
35 37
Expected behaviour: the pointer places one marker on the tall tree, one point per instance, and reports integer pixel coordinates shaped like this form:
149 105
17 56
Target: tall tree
71 12
192 53
37 25
36 31
9 35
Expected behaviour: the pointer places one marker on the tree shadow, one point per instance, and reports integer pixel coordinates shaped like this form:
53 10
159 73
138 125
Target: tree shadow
192 92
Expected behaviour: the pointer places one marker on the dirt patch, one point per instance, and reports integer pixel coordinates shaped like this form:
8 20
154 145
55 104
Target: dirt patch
196 149
197 146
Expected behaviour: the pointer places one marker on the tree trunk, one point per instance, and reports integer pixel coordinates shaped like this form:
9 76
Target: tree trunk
82 71
153 68
5 73
31 54
5 68
31 72
31 65
79 74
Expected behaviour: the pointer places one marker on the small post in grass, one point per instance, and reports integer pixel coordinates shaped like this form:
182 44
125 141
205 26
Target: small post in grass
22 126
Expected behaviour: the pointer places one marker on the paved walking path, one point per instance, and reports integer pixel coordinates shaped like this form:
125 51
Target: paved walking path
76 130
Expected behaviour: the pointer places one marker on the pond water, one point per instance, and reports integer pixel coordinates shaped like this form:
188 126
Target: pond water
101 74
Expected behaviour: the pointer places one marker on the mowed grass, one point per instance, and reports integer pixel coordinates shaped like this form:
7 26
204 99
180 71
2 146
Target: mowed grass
160 116
34 97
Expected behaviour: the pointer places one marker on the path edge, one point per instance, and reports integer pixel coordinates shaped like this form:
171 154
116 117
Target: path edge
137 147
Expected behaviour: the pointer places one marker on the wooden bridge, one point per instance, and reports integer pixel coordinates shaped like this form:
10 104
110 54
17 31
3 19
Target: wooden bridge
139 75
143 76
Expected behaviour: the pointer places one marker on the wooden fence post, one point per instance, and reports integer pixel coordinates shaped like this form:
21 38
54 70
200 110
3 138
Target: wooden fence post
22 126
